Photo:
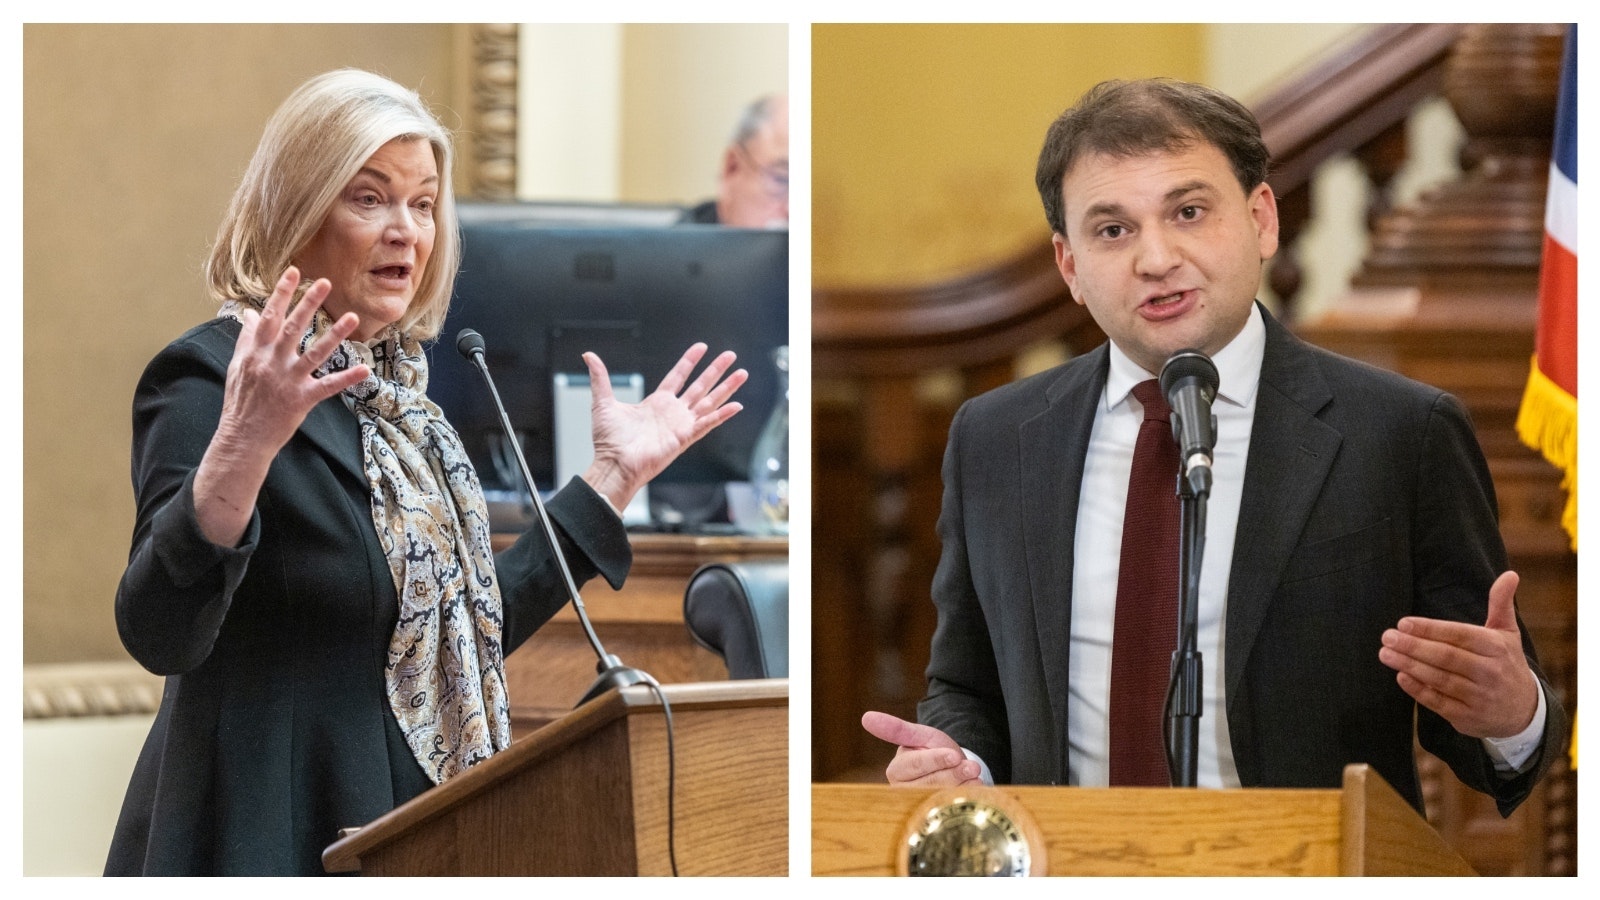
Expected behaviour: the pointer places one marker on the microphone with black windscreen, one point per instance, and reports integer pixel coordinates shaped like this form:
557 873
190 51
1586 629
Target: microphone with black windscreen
612 672
1189 382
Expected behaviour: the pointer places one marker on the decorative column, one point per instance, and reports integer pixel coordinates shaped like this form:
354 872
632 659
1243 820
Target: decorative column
488 139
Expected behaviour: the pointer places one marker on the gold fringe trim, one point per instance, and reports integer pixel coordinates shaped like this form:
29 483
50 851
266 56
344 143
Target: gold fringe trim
1548 422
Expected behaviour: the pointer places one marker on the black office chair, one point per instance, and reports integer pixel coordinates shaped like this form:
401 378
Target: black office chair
740 611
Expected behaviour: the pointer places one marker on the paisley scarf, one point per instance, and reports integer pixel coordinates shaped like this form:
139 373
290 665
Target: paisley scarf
445 672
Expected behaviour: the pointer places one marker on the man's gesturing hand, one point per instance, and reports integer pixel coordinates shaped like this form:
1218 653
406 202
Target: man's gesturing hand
1475 676
926 757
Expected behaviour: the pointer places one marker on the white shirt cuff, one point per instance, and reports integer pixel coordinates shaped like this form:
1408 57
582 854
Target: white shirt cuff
985 774
1511 754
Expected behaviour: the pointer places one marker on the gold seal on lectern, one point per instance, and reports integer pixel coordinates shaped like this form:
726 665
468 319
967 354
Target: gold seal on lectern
970 832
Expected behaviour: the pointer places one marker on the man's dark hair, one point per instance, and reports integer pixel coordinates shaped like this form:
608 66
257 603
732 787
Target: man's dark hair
1135 118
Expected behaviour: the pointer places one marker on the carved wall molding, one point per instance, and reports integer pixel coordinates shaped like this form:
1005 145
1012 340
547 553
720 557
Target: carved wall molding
491 151
73 690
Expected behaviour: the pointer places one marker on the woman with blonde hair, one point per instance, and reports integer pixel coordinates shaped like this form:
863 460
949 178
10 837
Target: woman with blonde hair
311 566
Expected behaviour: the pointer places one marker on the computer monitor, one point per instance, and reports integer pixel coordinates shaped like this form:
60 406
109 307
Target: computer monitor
542 293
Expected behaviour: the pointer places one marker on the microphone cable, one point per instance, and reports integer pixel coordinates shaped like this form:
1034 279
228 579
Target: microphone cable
672 776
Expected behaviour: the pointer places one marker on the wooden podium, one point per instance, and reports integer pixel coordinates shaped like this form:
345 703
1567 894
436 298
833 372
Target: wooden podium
1364 828
588 795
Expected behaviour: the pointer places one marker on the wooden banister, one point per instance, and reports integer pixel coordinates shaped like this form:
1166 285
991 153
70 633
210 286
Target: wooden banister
958 323
1349 96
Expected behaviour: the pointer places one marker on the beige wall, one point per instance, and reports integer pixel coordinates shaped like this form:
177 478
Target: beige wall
76 771
924 137
656 108
1247 59
684 87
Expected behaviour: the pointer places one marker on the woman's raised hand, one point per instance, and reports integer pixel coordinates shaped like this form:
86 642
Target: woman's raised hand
633 442
268 393
270 388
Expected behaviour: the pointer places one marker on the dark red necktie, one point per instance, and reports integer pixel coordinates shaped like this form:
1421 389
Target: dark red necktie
1147 600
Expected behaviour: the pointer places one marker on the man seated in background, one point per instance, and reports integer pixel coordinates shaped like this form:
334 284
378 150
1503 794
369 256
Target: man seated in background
753 183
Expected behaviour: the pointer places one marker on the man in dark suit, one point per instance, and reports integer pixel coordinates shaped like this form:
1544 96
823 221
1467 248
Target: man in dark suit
1353 582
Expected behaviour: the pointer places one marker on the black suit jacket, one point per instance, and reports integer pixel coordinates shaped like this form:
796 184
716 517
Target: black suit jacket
1366 499
274 729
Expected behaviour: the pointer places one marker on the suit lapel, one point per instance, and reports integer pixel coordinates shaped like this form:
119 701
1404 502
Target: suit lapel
334 430
1291 452
1052 446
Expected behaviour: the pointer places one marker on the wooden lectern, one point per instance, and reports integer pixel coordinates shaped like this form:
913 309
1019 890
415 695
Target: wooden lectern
1365 828
588 795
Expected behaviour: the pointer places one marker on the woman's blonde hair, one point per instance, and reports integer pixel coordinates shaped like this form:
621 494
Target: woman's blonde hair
312 147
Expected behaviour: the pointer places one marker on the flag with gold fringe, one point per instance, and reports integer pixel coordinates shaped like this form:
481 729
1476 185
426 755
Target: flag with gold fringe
1548 418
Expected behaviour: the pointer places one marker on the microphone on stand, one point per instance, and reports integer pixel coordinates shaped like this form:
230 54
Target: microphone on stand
1189 382
612 672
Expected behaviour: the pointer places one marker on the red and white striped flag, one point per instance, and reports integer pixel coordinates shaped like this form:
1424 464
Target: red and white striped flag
1548 419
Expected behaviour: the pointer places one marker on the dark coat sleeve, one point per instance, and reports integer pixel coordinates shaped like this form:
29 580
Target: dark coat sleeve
1455 531
594 542
175 592
1404 524
964 696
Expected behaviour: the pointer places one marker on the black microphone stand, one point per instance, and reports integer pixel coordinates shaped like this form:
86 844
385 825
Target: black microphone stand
613 674
1185 688
1189 380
